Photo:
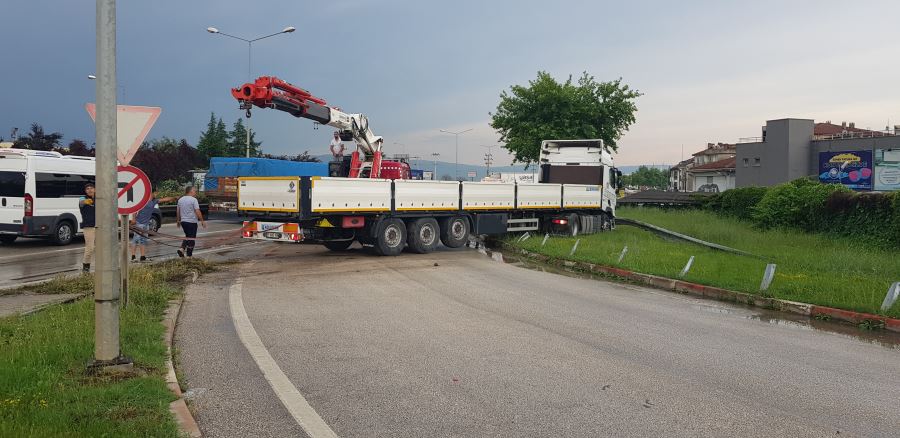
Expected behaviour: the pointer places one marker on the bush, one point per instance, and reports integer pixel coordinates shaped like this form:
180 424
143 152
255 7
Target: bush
736 202
175 189
798 204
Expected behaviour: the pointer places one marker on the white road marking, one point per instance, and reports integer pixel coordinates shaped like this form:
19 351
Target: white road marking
290 397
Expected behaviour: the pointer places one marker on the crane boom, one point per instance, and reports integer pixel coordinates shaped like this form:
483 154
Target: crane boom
271 92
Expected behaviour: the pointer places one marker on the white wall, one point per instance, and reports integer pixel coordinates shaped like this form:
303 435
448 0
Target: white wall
725 182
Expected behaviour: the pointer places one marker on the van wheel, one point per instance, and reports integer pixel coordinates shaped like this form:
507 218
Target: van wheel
423 235
63 234
454 231
391 237
7 238
338 245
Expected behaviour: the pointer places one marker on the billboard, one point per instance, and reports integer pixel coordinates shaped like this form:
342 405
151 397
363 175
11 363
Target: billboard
887 169
853 169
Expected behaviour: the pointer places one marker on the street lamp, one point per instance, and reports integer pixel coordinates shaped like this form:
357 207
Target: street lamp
434 174
249 42
456 168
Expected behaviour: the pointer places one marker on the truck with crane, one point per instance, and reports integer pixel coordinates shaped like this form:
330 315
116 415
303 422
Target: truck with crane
382 208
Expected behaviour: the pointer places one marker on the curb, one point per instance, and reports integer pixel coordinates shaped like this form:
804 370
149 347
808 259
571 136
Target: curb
41 307
178 408
700 290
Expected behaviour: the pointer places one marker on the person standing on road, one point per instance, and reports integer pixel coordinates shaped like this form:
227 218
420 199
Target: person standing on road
86 204
187 215
141 221
337 147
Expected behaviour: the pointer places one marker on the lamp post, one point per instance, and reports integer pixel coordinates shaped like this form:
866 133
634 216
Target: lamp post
435 155
249 42
456 167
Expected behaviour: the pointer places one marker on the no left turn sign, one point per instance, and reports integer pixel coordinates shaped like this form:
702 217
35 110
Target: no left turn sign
134 189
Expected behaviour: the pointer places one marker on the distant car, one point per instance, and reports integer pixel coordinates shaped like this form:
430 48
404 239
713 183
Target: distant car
39 193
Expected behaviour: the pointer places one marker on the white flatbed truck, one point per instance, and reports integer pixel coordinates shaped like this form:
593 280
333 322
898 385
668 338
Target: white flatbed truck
391 215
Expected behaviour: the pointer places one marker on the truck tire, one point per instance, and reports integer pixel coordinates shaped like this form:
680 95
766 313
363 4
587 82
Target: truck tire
154 223
390 237
423 235
338 245
574 225
63 233
454 231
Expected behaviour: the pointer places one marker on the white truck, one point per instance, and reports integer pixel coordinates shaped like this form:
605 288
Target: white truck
576 194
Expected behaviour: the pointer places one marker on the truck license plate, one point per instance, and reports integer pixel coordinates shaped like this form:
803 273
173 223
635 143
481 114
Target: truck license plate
272 235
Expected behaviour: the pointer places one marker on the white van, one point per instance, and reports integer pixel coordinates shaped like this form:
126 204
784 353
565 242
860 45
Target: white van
39 194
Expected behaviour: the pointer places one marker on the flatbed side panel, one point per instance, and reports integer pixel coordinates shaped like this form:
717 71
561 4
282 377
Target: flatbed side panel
539 196
582 196
281 194
488 196
412 195
330 195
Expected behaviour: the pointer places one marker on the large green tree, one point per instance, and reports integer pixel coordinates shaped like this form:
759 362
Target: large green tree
237 146
214 141
547 109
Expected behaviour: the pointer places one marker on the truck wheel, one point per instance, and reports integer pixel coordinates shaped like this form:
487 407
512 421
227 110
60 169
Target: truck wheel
423 235
391 237
454 231
338 245
7 238
574 225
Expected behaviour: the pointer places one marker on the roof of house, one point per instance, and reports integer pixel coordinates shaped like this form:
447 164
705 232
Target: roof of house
728 163
717 148
828 128
684 163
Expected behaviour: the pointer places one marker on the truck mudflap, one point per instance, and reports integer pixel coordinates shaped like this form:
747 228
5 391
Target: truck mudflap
272 231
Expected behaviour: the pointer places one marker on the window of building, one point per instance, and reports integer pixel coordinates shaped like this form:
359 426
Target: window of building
746 162
757 162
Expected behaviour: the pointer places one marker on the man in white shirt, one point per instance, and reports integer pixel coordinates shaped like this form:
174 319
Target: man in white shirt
187 215
337 147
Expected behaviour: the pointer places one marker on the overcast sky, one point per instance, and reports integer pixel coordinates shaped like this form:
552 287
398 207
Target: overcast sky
710 70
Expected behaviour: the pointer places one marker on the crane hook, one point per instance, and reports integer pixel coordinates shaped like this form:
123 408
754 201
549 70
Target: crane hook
248 113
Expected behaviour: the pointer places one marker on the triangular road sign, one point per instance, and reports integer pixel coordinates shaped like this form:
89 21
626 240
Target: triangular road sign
133 123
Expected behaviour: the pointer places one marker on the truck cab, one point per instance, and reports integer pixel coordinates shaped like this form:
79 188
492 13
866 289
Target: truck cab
581 162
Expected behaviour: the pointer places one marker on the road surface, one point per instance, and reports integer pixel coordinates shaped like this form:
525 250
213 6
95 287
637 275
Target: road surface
29 260
457 344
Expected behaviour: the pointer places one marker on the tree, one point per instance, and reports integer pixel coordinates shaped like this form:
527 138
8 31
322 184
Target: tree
80 148
168 159
38 140
214 141
237 147
303 157
647 177
547 109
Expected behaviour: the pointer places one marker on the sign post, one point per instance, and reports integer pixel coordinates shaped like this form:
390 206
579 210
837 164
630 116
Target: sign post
115 133
134 193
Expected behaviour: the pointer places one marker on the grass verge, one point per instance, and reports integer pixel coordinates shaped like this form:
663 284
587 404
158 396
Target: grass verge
812 268
44 388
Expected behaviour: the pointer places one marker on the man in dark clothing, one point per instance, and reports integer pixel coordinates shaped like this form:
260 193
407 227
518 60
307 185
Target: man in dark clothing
86 204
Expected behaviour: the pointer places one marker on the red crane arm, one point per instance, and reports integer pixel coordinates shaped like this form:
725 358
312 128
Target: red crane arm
271 92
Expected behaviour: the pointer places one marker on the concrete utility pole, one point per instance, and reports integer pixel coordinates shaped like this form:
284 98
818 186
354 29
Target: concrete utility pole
213 30
488 158
434 174
107 276
456 168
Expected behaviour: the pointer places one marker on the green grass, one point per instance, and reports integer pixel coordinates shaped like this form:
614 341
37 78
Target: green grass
44 387
812 268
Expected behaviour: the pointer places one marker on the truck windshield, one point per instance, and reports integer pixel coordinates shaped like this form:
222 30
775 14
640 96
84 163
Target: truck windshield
12 184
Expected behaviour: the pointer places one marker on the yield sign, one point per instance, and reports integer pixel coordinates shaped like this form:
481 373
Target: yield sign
133 123
134 189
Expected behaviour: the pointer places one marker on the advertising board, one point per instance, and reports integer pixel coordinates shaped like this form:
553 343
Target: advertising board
853 169
887 169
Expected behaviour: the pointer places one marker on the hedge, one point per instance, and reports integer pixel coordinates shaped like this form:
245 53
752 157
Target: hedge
814 207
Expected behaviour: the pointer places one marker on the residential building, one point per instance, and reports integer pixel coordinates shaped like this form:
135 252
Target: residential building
680 179
714 177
